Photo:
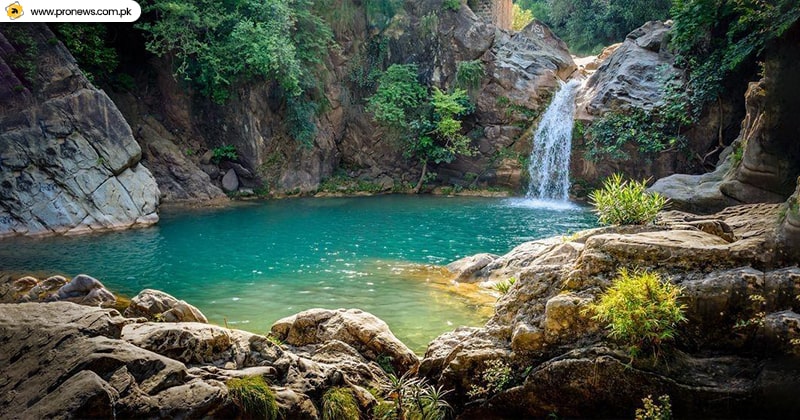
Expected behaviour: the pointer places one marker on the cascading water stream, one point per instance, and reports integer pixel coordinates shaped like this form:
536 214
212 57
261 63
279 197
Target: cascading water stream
549 162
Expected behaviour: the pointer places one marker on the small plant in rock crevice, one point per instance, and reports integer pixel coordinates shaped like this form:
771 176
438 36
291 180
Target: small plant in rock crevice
407 397
640 310
504 286
339 403
494 378
254 397
661 410
224 152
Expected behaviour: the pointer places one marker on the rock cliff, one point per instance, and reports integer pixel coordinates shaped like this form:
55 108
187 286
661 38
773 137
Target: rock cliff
763 163
68 160
177 127
630 77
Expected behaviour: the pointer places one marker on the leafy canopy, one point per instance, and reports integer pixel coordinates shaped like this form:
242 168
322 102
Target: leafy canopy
714 38
589 25
428 123
216 44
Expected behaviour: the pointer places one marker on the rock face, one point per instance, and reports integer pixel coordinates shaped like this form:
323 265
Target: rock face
631 78
156 305
68 160
730 359
176 128
763 164
362 331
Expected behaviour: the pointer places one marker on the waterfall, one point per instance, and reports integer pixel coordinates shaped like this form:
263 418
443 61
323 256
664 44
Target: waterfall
549 162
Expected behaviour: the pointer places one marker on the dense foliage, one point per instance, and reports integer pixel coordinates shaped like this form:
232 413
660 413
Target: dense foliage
589 25
427 121
626 202
640 310
88 43
215 44
714 38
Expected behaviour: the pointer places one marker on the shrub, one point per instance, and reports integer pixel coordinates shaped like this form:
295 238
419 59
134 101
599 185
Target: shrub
504 286
496 376
520 17
662 410
227 152
626 202
469 74
254 397
453 5
640 309
339 403
413 398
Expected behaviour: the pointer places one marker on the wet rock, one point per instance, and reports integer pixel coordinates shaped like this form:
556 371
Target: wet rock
156 305
464 268
230 182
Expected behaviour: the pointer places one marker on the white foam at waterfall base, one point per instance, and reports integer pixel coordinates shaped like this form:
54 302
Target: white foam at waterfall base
535 203
552 144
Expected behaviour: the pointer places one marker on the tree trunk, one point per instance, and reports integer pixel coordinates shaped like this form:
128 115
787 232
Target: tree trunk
421 177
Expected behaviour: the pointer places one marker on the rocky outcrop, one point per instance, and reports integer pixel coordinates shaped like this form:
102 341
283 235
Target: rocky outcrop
82 289
361 331
738 284
630 76
155 305
68 160
62 360
763 164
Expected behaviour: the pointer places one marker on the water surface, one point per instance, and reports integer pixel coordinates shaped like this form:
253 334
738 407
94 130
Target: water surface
252 263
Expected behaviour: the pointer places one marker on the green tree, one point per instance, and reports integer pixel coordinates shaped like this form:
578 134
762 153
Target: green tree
715 38
427 122
589 25
216 45
522 17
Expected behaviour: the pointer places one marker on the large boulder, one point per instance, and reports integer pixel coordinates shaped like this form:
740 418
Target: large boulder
361 330
74 365
86 290
70 162
202 344
156 305
631 75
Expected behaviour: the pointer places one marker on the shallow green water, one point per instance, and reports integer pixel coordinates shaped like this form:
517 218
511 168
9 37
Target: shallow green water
257 262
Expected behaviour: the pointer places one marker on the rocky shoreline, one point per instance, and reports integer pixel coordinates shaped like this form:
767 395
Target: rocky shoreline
142 364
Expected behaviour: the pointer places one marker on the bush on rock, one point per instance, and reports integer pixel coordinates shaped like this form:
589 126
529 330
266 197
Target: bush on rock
640 310
622 202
